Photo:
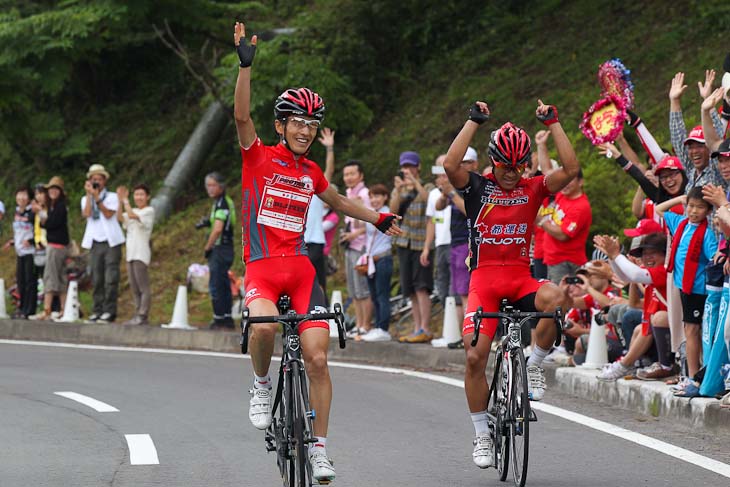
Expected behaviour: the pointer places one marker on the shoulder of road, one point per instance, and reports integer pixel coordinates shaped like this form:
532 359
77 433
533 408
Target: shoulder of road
651 398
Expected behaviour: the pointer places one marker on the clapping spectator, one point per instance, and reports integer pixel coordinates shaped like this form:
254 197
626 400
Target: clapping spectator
409 198
24 249
104 238
55 223
138 222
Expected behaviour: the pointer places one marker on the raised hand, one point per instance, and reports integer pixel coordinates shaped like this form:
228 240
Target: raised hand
713 99
541 137
547 114
608 245
327 137
122 193
609 150
677 87
714 194
706 87
245 51
479 112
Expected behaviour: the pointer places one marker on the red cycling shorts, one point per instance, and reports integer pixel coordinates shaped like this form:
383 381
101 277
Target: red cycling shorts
489 286
295 276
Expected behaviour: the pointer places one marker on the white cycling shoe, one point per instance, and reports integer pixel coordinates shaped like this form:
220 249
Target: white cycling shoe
536 378
483 455
322 469
259 410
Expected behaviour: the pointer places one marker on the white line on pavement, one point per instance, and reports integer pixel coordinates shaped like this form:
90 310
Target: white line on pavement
643 440
99 406
142 450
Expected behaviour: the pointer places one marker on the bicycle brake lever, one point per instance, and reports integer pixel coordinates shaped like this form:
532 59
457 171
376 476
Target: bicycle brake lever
477 318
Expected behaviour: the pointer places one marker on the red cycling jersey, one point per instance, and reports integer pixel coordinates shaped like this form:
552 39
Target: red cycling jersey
500 222
276 192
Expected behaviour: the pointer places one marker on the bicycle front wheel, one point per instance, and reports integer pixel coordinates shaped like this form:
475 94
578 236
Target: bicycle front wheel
301 469
496 407
519 417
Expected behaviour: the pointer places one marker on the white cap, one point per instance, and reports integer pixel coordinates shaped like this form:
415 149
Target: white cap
726 81
471 155
438 170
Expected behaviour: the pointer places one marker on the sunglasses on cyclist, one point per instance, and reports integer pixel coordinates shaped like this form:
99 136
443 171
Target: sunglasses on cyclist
518 168
299 123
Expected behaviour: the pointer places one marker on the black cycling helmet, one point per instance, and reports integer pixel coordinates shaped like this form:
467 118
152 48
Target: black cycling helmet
510 146
299 101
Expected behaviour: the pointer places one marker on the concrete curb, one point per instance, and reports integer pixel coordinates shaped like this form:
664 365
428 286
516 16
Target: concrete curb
653 398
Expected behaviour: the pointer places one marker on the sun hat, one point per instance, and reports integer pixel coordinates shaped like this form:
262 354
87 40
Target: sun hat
97 169
55 181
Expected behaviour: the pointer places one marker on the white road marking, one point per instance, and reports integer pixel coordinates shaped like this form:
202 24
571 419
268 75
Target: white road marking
99 406
142 450
638 438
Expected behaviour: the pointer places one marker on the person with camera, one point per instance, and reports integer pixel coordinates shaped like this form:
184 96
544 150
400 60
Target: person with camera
278 183
501 208
218 250
104 238
409 197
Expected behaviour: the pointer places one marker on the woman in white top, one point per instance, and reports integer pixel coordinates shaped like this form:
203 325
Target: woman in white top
138 222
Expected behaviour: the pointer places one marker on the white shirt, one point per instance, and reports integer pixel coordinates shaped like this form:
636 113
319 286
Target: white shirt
441 218
139 233
313 231
103 229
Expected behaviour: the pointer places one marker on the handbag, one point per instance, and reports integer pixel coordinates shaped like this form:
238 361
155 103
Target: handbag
39 257
361 266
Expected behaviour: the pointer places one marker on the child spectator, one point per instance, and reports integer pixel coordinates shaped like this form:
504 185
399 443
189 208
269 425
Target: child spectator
55 223
380 268
138 222
24 249
693 246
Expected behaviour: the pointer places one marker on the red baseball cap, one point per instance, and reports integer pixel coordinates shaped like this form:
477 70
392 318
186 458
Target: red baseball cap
696 134
669 162
644 227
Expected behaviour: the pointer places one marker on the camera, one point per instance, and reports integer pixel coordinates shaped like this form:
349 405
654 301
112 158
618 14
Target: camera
401 174
573 280
202 223
95 185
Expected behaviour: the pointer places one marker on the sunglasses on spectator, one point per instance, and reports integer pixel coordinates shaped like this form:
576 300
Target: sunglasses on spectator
667 174
299 123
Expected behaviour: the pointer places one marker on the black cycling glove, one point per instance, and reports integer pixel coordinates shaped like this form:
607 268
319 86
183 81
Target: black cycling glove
385 220
550 117
246 52
476 115
634 119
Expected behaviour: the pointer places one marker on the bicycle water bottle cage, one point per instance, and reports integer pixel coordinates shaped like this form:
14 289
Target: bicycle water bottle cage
284 304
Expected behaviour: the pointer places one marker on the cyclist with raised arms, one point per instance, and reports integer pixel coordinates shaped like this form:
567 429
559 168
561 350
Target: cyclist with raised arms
501 209
277 184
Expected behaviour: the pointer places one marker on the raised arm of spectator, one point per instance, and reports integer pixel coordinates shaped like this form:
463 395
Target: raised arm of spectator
327 139
385 222
242 97
637 204
661 208
458 176
708 106
558 179
543 154
719 125
622 266
651 146
123 195
677 130
634 169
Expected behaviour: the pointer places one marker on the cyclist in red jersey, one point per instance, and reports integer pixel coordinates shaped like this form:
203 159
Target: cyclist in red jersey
501 209
277 184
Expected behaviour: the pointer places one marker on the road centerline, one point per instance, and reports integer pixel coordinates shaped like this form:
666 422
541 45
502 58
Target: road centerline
142 450
95 404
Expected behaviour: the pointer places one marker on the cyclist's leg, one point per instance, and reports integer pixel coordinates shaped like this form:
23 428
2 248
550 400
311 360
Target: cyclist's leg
260 298
548 297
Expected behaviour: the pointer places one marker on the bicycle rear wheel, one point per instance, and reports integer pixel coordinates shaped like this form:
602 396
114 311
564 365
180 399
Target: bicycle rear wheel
519 417
496 407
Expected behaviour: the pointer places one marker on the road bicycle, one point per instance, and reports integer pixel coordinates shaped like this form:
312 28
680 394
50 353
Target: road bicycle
290 433
508 411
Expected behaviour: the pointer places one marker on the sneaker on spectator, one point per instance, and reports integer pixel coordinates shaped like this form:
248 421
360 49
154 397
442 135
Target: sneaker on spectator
356 332
557 356
419 337
106 318
656 372
615 371
681 384
376 335
483 454
456 345
93 318
536 376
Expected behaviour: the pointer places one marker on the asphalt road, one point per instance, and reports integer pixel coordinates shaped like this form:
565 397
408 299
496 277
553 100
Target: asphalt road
386 430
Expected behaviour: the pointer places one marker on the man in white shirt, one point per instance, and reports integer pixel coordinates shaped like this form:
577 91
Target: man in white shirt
438 230
104 238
